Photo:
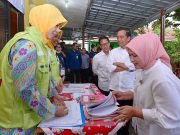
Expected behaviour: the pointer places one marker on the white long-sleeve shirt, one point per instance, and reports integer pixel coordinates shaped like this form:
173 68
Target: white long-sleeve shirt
124 80
158 96
100 69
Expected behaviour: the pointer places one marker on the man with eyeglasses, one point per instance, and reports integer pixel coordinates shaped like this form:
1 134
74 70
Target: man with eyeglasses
122 71
99 65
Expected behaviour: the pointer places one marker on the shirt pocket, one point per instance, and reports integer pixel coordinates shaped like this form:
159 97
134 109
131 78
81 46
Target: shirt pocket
43 70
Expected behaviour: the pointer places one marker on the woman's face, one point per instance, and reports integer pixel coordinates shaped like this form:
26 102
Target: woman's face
54 34
58 48
135 59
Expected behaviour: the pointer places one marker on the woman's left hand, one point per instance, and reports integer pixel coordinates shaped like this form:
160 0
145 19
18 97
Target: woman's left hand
125 113
58 100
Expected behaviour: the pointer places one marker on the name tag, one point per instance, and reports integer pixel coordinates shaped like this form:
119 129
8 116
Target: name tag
62 72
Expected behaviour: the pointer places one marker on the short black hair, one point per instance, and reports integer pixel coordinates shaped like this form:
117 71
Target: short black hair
93 45
58 45
128 32
103 37
61 43
74 44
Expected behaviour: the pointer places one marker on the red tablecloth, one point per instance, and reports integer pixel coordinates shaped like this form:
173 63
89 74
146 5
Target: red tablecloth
101 127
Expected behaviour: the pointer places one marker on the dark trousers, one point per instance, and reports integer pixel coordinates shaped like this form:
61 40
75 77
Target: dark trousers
75 76
67 76
93 77
125 129
84 75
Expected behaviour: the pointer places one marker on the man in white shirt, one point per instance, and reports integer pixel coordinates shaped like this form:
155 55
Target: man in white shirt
122 71
99 65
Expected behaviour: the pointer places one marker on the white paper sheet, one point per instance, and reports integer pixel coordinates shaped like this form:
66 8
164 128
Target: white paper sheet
106 101
73 118
101 112
79 85
73 90
86 92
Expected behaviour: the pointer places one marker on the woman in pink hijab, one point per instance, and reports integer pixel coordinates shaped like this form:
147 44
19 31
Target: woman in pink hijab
156 109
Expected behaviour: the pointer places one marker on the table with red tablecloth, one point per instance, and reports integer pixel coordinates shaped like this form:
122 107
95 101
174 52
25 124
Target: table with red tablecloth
98 127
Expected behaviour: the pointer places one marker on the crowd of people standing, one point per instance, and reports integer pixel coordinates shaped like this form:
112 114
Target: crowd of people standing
76 63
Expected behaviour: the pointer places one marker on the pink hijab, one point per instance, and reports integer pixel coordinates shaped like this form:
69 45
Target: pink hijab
149 48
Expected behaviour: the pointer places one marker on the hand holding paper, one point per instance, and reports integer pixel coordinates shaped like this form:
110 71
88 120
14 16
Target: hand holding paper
127 112
123 95
74 117
61 111
58 100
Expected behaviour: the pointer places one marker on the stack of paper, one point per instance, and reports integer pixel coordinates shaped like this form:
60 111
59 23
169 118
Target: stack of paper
75 117
104 108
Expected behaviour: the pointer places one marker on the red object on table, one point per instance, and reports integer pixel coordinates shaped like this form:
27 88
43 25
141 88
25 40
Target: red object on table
102 127
68 96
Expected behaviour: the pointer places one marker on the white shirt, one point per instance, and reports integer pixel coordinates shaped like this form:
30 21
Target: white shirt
158 96
124 80
100 69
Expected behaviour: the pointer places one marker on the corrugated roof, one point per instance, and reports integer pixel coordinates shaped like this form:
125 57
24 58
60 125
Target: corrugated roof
107 16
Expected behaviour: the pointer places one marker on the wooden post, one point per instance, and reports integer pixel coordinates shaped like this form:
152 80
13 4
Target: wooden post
162 36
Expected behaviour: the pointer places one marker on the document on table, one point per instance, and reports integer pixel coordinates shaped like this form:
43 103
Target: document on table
79 85
102 112
76 88
73 118
73 90
86 92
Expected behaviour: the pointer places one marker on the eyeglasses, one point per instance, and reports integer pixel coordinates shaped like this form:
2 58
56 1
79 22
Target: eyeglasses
106 44
121 37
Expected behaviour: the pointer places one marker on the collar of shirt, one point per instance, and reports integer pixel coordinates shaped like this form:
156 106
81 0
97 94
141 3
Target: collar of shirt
104 53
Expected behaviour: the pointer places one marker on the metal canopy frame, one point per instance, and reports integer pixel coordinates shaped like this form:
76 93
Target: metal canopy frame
107 16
